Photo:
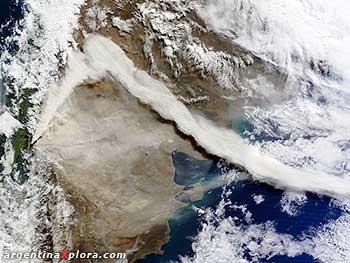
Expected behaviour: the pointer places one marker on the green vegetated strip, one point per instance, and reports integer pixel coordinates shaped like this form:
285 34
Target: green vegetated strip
2 150
20 142
19 105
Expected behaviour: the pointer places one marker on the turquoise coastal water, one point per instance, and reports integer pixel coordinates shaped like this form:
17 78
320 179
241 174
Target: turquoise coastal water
186 223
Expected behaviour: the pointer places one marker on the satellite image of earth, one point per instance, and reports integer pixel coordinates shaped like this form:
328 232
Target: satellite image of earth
163 131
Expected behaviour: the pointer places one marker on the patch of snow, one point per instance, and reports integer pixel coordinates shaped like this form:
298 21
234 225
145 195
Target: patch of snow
8 124
24 210
104 58
166 21
44 37
308 41
214 63
8 158
125 26
96 16
193 100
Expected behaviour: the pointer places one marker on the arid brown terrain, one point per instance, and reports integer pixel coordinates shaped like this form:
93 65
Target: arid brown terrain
111 154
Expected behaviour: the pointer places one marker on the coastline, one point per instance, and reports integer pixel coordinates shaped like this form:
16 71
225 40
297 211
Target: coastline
111 188
160 234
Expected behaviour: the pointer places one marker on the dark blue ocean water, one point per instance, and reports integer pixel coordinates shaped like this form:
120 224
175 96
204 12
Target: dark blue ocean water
186 223
11 11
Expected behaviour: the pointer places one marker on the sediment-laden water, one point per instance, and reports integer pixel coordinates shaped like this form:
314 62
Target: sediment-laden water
296 140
